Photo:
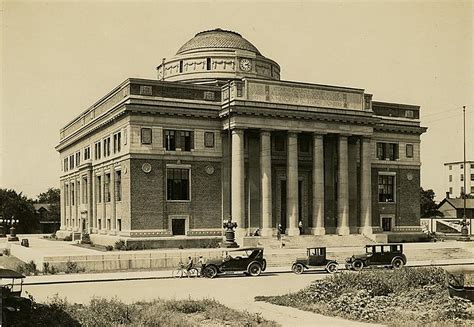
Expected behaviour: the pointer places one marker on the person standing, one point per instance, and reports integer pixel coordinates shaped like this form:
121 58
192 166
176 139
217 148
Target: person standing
300 226
279 230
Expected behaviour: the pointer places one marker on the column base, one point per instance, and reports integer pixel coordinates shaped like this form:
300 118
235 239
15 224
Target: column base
342 231
292 231
267 232
367 230
318 231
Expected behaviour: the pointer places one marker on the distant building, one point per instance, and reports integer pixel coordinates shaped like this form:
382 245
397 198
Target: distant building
454 172
453 212
48 223
150 160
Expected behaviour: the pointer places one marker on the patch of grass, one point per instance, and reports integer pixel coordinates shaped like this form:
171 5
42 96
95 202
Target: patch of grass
113 312
10 262
417 296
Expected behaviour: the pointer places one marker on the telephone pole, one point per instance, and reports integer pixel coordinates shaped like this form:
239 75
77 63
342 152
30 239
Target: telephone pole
464 222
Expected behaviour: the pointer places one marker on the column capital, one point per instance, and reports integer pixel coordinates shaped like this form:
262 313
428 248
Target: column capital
238 131
345 135
318 135
366 138
265 132
292 133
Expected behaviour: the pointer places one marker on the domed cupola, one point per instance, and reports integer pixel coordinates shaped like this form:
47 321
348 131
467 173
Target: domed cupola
216 56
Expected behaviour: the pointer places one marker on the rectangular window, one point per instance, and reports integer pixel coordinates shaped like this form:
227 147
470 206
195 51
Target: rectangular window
208 63
87 153
209 139
450 190
97 151
107 147
181 66
472 177
186 141
392 151
146 135
65 164
409 150
72 194
107 188
380 151
450 167
78 192
118 185
472 166
84 190
462 191
386 188
387 151
472 189
71 162
78 159
462 177
66 194
178 184
303 144
170 140
98 187
462 166
117 142
450 178
409 114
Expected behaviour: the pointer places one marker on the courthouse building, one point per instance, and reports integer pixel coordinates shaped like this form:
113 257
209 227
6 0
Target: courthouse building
151 158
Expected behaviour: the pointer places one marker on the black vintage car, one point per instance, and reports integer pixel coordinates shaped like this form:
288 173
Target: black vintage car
249 261
315 257
378 255
13 304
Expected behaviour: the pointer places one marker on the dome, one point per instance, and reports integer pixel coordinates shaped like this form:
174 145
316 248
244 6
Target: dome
219 39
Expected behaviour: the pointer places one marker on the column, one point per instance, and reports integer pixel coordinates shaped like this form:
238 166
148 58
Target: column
102 187
292 185
63 206
113 218
318 185
266 178
237 180
366 187
94 201
90 215
342 188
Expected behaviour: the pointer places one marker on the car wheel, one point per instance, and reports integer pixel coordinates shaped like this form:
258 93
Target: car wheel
331 267
255 269
298 268
397 263
357 265
210 272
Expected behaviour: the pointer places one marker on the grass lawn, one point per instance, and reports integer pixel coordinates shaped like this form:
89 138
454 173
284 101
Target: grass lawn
404 297
104 312
10 262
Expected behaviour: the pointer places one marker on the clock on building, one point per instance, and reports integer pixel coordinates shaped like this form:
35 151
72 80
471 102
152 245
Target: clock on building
245 65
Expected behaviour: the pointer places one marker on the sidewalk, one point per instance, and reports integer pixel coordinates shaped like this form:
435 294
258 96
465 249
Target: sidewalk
468 264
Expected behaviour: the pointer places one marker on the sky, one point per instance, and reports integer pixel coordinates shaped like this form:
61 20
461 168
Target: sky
59 57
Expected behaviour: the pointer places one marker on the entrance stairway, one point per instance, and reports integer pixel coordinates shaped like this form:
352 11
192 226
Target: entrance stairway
308 241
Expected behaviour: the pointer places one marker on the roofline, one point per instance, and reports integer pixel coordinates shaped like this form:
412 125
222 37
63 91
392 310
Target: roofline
458 162
394 104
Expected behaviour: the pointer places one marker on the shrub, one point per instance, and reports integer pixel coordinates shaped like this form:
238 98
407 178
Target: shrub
53 270
46 268
186 306
28 268
119 245
86 239
6 252
109 247
73 268
68 238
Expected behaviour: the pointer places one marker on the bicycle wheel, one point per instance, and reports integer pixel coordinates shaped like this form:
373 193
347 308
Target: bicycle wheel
192 273
178 273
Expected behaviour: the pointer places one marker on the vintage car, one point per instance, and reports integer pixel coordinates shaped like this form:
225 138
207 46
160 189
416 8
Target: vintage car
13 304
249 261
390 255
315 257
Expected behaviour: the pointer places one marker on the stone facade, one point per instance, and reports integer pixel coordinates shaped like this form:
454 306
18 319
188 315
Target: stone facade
154 158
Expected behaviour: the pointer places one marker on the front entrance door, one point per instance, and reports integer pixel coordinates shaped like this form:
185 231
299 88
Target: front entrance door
386 224
178 226
283 205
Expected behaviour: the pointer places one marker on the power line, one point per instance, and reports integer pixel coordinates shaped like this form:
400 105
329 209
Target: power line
441 112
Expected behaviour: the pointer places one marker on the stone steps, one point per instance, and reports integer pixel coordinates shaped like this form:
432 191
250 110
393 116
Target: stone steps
307 241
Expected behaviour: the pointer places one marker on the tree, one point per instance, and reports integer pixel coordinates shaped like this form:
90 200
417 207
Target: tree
428 207
52 197
15 205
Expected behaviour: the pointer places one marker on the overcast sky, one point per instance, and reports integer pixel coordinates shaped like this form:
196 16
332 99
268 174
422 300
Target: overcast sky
59 57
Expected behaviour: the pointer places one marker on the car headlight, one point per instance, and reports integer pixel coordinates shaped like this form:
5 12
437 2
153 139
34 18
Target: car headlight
348 260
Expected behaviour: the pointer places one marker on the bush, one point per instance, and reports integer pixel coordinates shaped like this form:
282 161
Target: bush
119 245
68 238
86 239
46 269
28 268
109 248
73 268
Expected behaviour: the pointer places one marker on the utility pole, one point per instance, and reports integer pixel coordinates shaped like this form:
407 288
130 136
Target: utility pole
464 222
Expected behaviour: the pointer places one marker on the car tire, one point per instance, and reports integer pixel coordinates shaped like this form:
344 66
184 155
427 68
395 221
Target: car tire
298 268
255 269
331 267
397 263
210 272
357 265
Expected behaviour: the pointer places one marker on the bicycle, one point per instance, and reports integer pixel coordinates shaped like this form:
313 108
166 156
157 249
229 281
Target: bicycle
181 271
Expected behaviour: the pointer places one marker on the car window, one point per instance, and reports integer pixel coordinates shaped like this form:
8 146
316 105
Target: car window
368 249
312 252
